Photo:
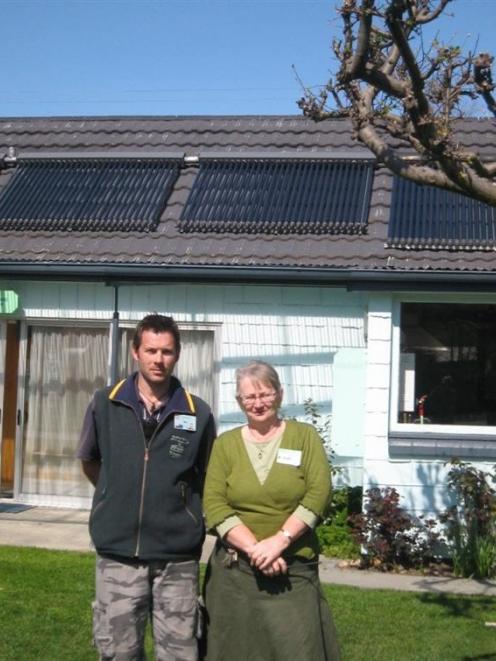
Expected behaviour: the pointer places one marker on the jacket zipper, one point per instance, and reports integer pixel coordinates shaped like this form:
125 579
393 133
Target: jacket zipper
142 501
143 480
143 483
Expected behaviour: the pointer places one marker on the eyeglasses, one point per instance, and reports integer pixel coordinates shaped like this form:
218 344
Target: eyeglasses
264 398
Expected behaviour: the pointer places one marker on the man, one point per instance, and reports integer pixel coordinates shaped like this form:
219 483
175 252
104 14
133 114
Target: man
144 445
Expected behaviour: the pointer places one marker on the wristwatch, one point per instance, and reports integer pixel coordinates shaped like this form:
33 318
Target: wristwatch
287 534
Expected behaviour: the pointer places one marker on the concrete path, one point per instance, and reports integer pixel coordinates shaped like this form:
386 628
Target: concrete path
67 529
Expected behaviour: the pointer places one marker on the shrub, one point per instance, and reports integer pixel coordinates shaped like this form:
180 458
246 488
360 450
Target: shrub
389 535
334 533
322 424
470 524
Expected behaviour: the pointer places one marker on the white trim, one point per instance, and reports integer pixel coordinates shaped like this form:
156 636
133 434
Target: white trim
48 500
463 298
395 365
67 321
21 397
183 325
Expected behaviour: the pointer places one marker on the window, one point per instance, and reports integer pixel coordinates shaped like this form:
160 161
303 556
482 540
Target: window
195 368
447 365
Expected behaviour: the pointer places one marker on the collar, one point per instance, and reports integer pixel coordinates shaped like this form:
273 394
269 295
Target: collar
180 400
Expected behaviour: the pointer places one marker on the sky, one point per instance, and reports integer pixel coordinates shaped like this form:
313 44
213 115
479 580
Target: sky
180 57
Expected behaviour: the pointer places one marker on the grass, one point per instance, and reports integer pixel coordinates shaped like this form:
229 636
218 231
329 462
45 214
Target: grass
45 601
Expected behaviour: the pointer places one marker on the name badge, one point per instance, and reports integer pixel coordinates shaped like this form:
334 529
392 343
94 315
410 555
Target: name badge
186 422
289 457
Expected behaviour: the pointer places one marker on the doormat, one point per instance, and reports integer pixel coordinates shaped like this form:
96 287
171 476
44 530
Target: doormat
14 508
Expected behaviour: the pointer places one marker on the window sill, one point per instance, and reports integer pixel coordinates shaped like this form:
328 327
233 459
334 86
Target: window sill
430 444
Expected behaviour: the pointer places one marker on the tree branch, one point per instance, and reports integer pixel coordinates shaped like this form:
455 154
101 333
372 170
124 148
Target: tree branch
484 81
394 96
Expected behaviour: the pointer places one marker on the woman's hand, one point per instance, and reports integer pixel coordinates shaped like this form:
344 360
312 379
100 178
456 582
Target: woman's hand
265 552
278 567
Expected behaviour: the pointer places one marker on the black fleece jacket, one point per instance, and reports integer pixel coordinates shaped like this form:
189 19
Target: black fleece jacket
147 502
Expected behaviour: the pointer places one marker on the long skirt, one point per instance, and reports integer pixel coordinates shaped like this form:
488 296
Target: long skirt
251 617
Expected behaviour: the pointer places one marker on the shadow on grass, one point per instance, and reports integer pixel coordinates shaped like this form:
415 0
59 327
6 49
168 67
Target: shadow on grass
459 605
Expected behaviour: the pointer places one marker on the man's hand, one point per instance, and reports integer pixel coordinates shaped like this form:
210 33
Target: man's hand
92 470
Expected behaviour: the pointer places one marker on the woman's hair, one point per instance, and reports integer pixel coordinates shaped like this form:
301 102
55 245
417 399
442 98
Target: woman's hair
257 370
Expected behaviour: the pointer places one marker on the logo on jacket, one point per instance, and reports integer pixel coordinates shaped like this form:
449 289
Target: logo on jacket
178 446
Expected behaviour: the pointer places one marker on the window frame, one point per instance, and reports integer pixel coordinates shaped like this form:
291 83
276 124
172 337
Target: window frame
475 441
53 322
216 328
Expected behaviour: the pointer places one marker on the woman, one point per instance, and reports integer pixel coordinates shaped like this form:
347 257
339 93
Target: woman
267 485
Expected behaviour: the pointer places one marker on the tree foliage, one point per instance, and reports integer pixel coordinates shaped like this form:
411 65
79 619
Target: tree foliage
403 98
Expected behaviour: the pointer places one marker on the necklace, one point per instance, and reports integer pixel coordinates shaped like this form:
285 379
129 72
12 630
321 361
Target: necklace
152 404
262 448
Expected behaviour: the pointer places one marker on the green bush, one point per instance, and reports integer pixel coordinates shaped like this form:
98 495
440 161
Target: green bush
334 533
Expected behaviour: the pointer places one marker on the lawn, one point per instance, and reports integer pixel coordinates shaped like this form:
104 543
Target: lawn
45 613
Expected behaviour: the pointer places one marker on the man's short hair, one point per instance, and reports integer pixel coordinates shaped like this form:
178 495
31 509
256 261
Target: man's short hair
157 323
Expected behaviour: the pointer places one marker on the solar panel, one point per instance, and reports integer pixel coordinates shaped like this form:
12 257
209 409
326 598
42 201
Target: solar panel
87 194
279 196
425 217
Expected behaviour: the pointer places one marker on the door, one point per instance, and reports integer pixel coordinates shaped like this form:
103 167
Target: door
61 367
9 359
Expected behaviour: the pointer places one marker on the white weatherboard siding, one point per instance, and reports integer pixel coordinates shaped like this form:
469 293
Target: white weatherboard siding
297 329
312 335
348 417
63 300
421 483
315 337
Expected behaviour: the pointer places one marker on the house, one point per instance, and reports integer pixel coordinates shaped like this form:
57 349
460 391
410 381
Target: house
270 237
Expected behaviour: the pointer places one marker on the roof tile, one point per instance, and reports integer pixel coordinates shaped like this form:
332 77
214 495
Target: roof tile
235 135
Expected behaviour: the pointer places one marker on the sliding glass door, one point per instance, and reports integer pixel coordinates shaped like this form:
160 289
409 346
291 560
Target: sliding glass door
63 365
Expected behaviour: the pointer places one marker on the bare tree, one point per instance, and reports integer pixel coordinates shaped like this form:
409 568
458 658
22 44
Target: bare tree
403 98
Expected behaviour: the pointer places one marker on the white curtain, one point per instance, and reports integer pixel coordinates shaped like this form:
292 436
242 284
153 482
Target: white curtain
195 368
65 367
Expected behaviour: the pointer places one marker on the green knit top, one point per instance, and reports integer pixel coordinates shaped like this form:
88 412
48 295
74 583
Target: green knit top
232 487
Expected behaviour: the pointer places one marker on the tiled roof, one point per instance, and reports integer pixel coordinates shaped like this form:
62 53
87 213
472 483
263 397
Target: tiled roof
236 136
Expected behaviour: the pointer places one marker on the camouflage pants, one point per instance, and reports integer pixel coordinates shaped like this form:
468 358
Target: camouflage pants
127 594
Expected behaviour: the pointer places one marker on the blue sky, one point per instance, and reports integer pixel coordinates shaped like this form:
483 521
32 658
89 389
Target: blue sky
179 57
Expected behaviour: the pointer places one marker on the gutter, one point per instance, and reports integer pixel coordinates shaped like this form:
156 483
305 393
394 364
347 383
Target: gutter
352 279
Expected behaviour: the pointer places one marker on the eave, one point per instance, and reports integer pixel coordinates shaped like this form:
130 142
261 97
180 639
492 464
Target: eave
351 279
